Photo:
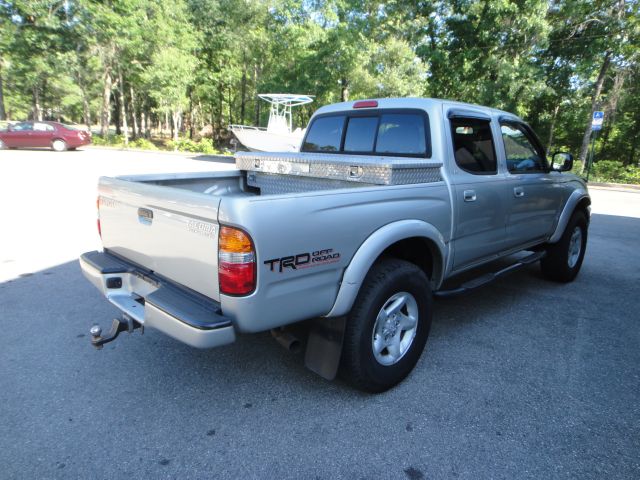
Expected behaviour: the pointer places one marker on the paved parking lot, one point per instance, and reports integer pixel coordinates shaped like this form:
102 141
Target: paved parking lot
521 379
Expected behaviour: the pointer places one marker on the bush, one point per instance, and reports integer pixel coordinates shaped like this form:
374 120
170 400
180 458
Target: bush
109 140
185 145
143 144
610 171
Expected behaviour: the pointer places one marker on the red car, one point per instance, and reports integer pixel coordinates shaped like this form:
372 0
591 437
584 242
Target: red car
55 135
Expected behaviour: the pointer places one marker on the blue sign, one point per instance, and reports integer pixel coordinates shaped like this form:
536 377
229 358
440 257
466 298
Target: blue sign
597 120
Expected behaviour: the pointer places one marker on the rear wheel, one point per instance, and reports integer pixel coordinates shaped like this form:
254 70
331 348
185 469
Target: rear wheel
564 258
59 145
2 145
387 327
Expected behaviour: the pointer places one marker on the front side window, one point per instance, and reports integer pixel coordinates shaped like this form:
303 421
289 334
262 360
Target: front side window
522 154
378 132
473 145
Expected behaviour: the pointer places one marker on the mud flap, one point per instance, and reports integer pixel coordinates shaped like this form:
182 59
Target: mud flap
324 346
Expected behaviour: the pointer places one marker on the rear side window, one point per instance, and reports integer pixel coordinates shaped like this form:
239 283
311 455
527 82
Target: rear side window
473 145
42 127
22 127
325 136
377 132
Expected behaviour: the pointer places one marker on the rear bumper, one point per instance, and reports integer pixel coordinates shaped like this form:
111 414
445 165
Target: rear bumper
155 302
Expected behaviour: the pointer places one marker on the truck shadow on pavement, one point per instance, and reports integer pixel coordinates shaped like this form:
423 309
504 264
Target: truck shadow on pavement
519 366
54 309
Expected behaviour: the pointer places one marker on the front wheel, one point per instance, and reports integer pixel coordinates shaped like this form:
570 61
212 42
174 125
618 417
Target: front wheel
388 326
59 145
564 258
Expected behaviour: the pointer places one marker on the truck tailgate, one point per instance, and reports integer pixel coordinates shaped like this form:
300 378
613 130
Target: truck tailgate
170 231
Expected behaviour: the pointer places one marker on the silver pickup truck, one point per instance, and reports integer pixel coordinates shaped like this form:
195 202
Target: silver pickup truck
342 246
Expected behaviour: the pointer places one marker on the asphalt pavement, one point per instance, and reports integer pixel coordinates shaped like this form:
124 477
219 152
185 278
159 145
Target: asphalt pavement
523 378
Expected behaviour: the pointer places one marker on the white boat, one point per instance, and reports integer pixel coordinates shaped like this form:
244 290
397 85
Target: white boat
279 135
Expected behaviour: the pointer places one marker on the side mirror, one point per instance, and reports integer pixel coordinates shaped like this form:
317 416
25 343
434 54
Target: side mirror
562 161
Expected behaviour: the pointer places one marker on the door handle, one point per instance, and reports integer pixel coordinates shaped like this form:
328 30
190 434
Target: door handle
518 192
469 196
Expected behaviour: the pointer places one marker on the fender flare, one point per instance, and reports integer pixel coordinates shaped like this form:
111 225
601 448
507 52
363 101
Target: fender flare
371 249
574 200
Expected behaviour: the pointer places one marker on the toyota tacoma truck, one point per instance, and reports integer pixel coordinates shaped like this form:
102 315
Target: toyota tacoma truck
350 238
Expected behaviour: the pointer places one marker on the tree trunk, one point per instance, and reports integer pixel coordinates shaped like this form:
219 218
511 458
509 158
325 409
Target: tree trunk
594 105
86 110
611 107
143 124
123 110
132 112
243 93
257 104
176 125
230 112
191 114
105 115
553 126
37 111
344 90
3 113
221 101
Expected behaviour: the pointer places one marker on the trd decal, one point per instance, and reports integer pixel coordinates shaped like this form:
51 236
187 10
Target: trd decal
303 260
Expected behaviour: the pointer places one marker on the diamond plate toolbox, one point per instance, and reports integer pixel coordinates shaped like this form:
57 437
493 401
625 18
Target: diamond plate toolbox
278 172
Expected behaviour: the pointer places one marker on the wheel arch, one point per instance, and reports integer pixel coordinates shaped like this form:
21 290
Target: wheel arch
579 200
413 240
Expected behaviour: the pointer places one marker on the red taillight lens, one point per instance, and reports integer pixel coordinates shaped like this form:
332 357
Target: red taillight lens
366 104
98 221
236 262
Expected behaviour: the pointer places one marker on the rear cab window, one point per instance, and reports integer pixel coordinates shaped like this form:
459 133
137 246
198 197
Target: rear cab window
388 132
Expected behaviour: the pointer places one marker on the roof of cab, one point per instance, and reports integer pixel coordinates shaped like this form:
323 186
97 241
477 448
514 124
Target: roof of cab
411 102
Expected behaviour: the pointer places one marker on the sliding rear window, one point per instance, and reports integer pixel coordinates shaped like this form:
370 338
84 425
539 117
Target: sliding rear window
373 132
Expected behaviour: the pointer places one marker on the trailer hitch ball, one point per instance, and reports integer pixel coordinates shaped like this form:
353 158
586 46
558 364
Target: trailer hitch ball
96 332
124 324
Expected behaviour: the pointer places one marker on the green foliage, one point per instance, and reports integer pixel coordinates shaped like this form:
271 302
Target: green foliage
185 145
179 66
108 140
615 172
142 144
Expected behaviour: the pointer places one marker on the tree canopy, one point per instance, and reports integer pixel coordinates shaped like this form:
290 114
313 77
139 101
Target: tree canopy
147 64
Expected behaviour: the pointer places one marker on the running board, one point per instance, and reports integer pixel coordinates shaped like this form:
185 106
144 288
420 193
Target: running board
490 277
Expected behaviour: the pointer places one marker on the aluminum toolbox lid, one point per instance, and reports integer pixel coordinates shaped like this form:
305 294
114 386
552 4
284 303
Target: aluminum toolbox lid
376 170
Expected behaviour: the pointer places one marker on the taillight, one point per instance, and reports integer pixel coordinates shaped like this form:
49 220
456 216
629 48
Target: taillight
236 262
98 209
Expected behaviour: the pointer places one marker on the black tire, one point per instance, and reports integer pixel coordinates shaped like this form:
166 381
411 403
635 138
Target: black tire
558 265
387 278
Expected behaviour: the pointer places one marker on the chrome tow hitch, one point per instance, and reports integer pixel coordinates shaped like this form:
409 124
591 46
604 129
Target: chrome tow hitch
124 324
